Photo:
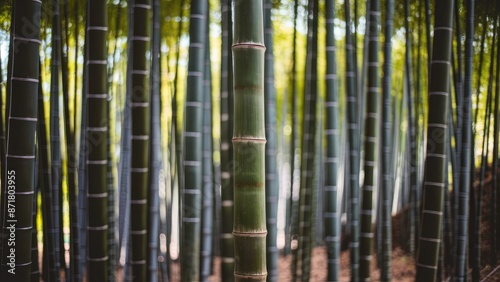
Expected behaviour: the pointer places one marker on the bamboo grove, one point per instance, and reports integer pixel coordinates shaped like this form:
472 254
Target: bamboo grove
249 140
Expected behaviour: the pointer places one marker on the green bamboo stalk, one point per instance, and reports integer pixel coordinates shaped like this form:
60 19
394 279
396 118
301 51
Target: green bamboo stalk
465 150
308 145
249 142
155 154
193 176
432 201
226 147
96 136
353 139
371 141
207 220
271 147
413 213
55 134
331 215
386 189
140 115
292 204
18 187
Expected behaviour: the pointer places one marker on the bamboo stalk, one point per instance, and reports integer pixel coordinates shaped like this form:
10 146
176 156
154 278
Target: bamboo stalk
371 141
271 148
332 211
249 139
140 116
96 137
226 147
433 193
386 189
19 176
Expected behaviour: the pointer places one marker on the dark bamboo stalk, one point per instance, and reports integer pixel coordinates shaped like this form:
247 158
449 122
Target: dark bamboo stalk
465 132
433 193
386 198
19 173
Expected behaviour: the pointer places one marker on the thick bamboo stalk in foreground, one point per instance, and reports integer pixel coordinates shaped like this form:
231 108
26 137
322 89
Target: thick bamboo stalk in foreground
140 116
249 140
96 135
434 182
17 221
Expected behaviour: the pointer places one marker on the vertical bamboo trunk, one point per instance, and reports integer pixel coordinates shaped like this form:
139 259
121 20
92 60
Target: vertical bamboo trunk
207 220
96 137
271 144
192 191
413 213
332 212
249 140
371 140
18 187
226 148
432 201
140 115
353 139
308 145
386 189
461 266
294 146
155 154
55 134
